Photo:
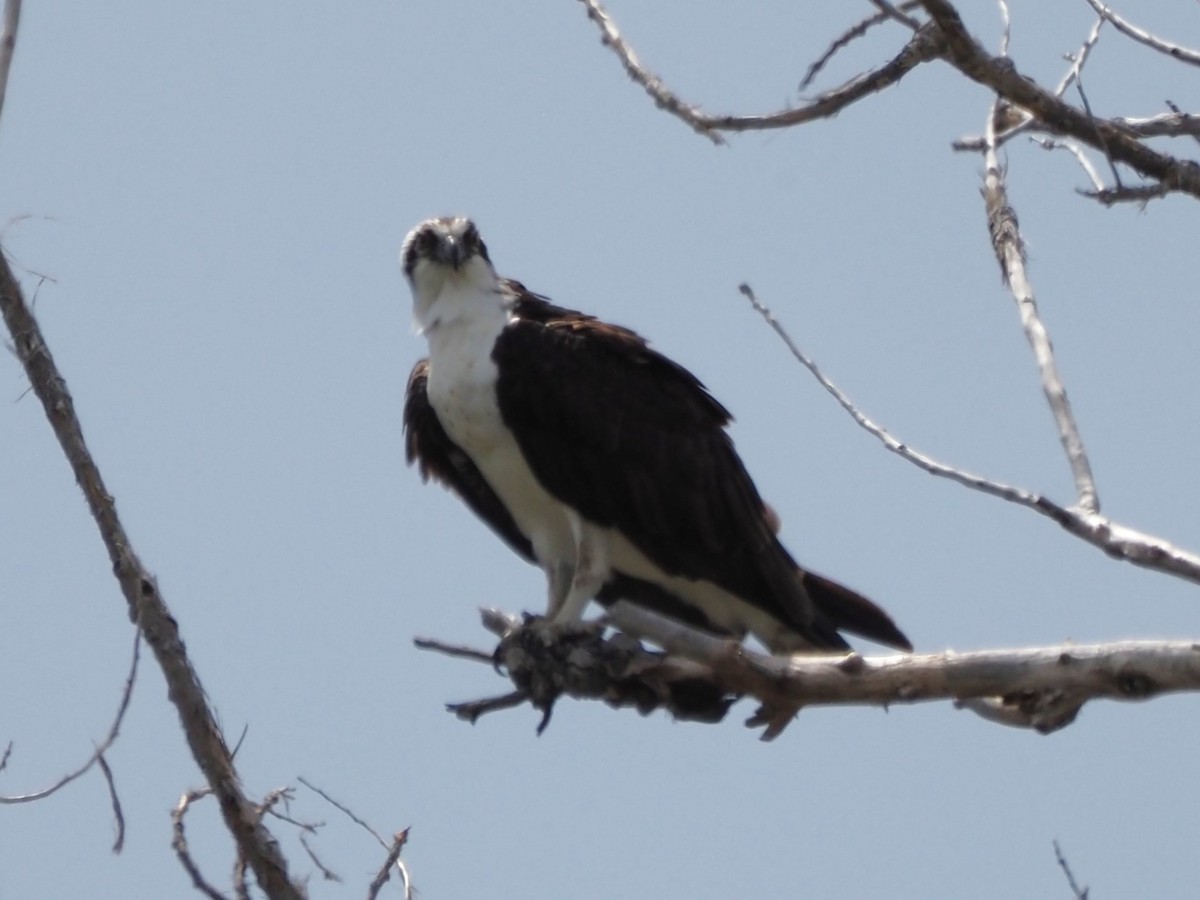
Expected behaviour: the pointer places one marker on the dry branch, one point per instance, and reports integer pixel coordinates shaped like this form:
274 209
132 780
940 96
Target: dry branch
1041 688
1144 37
97 757
1116 540
1078 892
8 44
924 46
847 37
1001 75
399 839
145 604
1010 252
180 845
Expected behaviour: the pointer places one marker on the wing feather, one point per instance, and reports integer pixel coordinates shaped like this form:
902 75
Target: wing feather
635 442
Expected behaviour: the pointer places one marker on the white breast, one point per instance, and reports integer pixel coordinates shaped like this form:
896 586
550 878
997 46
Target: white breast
462 391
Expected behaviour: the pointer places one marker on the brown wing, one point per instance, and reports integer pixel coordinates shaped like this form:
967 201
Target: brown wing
635 442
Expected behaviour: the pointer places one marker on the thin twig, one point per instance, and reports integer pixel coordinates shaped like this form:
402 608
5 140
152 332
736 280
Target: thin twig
1142 194
98 752
662 96
180 846
1116 540
394 848
1080 58
897 14
851 34
1080 157
326 873
462 651
1006 27
471 710
1087 108
1080 893
1127 28
385 871
118 816
8 43
922 47
927 463
345 810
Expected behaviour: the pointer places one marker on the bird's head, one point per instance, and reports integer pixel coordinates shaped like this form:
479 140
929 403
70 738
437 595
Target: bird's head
439 254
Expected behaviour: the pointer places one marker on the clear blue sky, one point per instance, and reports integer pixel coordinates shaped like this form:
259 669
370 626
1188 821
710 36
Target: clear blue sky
217 193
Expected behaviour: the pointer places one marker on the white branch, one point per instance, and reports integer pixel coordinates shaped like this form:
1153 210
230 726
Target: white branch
925 45
1118 541
1010 250
1040 687
700 675
1080 157
1183 54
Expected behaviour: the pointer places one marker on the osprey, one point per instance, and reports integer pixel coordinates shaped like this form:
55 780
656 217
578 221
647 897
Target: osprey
600 460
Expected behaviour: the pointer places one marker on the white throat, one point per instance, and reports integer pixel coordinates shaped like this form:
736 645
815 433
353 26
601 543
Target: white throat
470 297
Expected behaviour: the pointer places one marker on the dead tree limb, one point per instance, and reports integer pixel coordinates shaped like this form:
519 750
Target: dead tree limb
145 604
700 676
922 47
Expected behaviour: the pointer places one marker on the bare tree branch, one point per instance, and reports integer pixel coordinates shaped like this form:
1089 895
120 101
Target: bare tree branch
1075 150
326 873
1179 112
1042 688
1002 76
896 13
385 871
97 757
1080 893
8 44
1116 540
118 816
1174 124
851 34
1107 196
180 846
1183 54
1080 58
1010 251
924 46
146 606
394 847
1141 195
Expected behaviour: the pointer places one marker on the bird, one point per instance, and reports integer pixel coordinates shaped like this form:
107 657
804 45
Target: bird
601 460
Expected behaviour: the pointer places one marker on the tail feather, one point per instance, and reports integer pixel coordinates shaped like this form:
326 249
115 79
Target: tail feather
846 610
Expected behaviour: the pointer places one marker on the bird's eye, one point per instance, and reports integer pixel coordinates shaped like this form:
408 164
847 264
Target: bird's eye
427 241
474 242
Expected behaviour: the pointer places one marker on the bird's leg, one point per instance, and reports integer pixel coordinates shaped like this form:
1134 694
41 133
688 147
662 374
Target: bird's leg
558 576
591 570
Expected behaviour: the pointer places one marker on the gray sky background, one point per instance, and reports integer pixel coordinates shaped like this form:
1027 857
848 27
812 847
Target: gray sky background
216 194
